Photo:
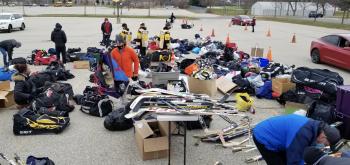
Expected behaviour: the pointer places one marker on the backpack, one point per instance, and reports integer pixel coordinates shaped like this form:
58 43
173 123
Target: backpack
27 122
96 105
41 78
115 121
58 70
31 160
321 79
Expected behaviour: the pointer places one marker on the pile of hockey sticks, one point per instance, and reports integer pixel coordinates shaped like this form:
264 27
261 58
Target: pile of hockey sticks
17 160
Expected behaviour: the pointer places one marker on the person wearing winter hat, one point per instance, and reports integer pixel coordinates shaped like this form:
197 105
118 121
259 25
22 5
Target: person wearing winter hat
58 36
142 39
126 34
283 139
6 49
315 156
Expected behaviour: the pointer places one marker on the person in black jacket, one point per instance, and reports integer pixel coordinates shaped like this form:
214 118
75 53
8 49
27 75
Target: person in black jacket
24 89
315 156
58 36
106 29
6 49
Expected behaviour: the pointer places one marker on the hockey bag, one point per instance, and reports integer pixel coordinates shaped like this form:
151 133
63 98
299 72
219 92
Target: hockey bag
322 111
31 160
321 79
115 121
96 105
27 122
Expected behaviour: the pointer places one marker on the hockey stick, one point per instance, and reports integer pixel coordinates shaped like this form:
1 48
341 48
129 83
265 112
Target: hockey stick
12 162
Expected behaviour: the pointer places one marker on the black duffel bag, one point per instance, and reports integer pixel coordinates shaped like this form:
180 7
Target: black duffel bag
322 111
161 56
115 121
96 105
321 79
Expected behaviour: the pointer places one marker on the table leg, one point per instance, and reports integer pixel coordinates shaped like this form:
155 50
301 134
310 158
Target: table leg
169 139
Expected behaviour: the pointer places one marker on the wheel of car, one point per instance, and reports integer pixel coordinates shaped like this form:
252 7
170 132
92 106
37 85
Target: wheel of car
9 29
315 56
23 26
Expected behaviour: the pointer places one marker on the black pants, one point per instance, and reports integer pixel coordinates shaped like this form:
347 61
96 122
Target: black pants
253 28
105 39
61 50
142 51
271 157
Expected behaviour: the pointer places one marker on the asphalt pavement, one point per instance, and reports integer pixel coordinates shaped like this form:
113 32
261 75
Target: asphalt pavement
87 142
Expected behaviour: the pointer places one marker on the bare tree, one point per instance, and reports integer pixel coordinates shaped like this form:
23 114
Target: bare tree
303 5
293 6
345 6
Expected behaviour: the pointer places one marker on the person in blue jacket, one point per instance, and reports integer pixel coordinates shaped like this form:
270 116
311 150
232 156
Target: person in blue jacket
281 140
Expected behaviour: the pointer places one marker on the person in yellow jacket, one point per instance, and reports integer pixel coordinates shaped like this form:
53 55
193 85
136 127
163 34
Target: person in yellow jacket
142 39
164 39
126 34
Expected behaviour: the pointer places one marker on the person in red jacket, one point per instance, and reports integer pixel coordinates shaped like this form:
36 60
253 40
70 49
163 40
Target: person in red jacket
106 29
127 61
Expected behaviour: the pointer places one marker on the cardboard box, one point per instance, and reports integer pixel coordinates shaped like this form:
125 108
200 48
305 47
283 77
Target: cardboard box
282 85
202 86
152 147
81 64
225 85
6 99
5 85
291 107
257 52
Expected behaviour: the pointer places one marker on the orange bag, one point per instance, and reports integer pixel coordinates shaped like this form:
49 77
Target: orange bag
191 68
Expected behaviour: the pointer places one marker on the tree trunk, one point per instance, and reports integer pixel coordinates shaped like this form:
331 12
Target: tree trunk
275 9
288 10
342 19
347 15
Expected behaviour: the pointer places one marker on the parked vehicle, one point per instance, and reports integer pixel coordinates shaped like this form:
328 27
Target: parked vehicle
314 14
332 49
241 20
10 21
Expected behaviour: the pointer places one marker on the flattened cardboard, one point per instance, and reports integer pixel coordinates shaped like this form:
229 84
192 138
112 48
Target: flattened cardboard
257 52
282 85
81 64
5 85
202 86
6 99
225 85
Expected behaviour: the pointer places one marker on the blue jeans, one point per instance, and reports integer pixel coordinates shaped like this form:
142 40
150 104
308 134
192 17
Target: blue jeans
4 54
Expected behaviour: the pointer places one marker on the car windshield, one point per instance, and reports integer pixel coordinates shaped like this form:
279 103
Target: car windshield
245 17
5 17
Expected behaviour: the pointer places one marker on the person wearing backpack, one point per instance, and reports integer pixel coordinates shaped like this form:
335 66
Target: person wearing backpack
58 36
281 140
24 90
125 64
106 29
142 39
6 49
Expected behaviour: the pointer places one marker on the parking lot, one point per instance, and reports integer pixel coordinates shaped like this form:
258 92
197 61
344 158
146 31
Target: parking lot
86 141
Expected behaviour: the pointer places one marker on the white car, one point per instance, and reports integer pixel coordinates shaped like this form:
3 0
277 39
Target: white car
10 21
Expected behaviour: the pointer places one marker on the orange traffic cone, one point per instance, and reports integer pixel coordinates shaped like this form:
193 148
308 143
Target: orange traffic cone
201 29
269 54
268 33
212 33
228 39
294 40
246 27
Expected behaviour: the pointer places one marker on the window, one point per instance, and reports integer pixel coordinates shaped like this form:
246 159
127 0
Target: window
5 17
332 39
344 43
17 16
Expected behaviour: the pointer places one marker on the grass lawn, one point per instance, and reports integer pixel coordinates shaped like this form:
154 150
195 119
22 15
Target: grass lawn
229 10
306 22
103 16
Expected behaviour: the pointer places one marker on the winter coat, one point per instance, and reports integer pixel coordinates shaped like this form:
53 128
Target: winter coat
106 30
289 133
8 45
23 89
126 60
58 36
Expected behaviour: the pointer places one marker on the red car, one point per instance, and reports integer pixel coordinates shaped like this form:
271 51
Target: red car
241 20
332 49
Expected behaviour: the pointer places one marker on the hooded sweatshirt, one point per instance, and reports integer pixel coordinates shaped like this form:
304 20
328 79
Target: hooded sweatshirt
8 45
58 36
